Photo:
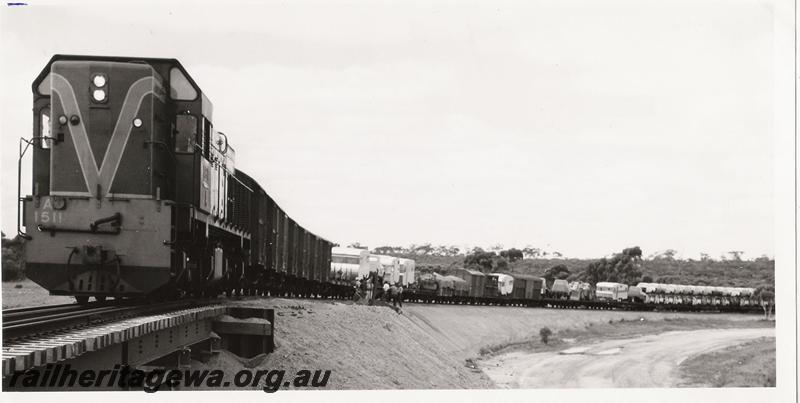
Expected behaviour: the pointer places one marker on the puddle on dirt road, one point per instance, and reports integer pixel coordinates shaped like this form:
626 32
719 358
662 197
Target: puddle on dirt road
574 350
585 351
610 351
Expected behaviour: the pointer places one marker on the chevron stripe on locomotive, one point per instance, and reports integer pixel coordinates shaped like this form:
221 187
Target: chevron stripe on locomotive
136 194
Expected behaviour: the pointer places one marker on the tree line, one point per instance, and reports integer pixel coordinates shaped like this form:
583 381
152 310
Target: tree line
428 249
531 252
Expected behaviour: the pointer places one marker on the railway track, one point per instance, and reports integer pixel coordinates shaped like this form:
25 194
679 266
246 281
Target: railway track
22 323
35 321
20 314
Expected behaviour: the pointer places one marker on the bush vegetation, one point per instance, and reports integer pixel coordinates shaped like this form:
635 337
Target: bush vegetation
13 258
544 334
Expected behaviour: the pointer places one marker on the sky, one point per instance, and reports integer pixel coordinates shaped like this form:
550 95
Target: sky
575 126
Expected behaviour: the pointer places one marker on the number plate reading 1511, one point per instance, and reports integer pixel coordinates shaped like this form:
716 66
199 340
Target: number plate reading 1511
47 215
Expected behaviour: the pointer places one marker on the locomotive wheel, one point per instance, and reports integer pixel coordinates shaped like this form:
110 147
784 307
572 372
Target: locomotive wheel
82 299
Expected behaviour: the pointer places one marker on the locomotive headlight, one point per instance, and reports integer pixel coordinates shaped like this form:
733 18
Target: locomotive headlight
62 120
137 122
99 80
99 95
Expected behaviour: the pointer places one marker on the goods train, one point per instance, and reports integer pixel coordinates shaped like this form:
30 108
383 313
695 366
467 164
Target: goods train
471 287
135 193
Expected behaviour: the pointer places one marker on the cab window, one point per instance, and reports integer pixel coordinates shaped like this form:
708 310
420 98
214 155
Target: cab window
186 128
44 128
179 86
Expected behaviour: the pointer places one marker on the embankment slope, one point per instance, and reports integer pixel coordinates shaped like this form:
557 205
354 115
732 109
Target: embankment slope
425 347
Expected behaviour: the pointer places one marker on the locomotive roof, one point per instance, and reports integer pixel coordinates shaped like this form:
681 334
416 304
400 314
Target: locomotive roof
120 59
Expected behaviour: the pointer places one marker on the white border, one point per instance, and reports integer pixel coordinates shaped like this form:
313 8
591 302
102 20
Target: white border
784 137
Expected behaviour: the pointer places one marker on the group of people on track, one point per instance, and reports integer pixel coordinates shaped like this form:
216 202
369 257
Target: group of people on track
373 287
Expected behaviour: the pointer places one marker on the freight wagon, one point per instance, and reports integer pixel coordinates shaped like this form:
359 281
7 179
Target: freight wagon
611 291
475 279
527 287
391 268
407 268
559 289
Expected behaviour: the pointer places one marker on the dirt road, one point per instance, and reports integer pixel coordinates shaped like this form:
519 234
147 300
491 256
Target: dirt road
464 330
643 362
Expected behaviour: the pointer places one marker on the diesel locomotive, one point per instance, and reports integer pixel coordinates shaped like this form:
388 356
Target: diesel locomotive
135 193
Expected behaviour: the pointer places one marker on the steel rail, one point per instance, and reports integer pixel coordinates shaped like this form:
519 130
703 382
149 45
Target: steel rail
27 326
14 314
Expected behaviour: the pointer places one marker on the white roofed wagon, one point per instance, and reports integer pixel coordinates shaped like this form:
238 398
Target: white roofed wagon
349 263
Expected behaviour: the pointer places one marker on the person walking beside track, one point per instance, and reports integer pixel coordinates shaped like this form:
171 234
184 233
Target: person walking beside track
369 291
399 296
386 291
393 294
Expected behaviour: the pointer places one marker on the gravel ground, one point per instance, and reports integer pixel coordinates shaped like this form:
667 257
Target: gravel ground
425 346
27 293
